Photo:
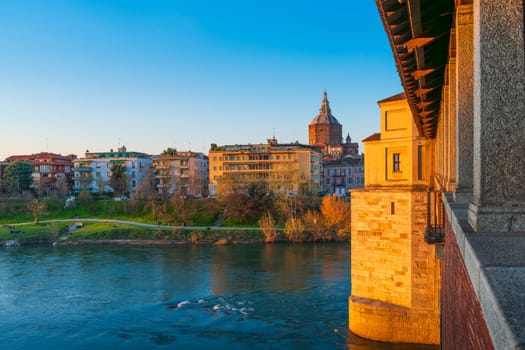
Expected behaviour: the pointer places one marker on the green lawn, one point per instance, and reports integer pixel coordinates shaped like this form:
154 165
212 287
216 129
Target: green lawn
200 212
41 230
111 231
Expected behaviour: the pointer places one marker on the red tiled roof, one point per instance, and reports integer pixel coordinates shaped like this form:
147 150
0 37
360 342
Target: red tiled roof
374 137
398 97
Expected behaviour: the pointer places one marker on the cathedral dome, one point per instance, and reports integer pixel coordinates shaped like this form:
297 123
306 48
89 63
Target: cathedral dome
325 114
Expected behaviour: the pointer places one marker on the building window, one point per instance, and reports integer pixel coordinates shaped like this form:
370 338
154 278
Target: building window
396 163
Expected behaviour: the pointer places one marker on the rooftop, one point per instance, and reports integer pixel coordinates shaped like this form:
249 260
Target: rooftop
374 137
325 113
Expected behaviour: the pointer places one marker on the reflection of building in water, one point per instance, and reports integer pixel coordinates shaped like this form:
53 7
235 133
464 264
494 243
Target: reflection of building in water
219 284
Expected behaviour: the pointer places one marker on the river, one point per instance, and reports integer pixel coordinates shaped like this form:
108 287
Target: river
281 296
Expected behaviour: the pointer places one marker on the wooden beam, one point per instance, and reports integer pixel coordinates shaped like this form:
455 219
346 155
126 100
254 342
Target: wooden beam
417 74
415 43
421 91
424 104
393 17
414 15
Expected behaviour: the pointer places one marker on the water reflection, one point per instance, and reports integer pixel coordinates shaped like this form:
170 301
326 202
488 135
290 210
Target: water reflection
237 297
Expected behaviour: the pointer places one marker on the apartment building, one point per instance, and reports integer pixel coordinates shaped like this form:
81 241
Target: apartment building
182 172
50 170
287 167
93 172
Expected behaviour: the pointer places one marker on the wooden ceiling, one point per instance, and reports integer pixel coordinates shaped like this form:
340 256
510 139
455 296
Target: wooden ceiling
419 34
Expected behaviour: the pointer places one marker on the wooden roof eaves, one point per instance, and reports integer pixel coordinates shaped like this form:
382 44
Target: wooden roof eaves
429 22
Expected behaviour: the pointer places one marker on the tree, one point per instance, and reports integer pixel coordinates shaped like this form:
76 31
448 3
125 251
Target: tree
119 179
267 226
102 184
37 208
181 212
84 197
61 187
336 212
147 188
17 177
245 200
315 223
294 229
39 188
169 152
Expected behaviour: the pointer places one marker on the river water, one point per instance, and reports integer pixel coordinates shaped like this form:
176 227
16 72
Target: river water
258 296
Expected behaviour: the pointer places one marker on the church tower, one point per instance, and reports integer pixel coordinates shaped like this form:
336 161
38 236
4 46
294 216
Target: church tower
325 130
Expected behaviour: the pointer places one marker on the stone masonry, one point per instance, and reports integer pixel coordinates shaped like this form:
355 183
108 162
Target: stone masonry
395 275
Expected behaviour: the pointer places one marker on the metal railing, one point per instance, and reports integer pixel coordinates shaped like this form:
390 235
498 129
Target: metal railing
435 230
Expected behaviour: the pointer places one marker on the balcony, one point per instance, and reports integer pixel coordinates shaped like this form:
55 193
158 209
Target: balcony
435 230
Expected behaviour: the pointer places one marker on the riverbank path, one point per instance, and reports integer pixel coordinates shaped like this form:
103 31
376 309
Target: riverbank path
141 224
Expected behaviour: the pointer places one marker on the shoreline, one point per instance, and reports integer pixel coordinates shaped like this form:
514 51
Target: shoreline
145 243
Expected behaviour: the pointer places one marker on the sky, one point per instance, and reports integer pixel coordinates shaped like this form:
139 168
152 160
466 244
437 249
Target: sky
79 75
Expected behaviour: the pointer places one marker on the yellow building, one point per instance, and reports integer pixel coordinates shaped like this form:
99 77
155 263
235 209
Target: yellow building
290 167
395 273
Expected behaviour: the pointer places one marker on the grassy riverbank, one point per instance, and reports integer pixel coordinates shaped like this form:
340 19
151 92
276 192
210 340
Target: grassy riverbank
60 231
198 212
194 220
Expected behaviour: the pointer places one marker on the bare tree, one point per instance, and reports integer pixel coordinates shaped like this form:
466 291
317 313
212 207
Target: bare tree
315 223
267 226
37 209
61 187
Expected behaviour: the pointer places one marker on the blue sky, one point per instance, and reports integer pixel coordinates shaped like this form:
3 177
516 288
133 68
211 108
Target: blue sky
152 74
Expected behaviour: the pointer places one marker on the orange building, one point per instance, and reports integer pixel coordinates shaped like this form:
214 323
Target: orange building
287 167
395 273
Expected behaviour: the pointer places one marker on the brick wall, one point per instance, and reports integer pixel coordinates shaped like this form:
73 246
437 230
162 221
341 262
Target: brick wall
381 246
463 325
395 274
